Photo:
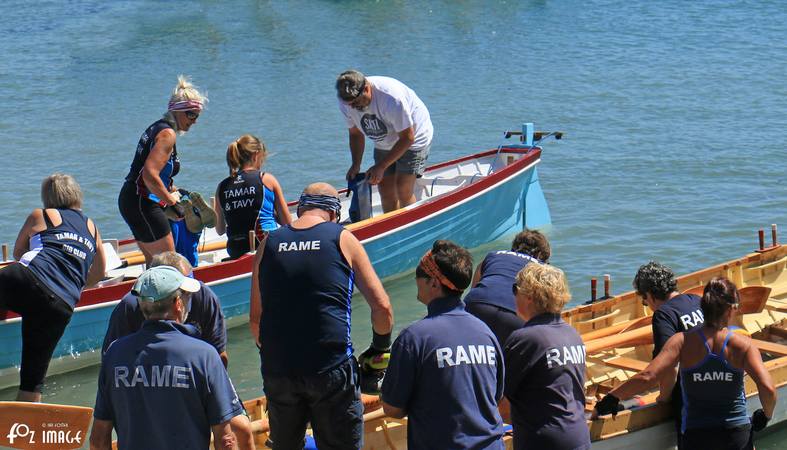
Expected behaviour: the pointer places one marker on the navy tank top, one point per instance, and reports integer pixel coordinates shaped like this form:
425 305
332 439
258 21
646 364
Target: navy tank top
306 287
145 145
61 256
247 205
499 271
713 394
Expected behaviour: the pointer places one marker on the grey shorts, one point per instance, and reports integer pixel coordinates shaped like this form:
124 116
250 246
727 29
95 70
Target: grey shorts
412 162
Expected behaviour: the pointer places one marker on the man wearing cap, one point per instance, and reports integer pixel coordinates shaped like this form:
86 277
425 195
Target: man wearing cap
205 312
446 370
302 285
161 388
388 112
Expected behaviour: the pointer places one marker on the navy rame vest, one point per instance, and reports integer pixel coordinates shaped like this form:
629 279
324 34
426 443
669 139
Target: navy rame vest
499 270
145 145
247 205
306 287
61 256
713 394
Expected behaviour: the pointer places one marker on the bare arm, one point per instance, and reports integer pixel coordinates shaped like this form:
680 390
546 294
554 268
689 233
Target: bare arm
243 434
282 210
99 267
368 283
221 224
157 159
762 378
33 224
357 144
255 302
476 276
392 411
101 435
665 362
223 439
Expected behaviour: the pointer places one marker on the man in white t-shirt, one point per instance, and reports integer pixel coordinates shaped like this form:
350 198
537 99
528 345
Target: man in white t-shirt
391 114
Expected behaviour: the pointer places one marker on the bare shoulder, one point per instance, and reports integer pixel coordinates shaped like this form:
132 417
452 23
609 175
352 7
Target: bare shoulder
269 180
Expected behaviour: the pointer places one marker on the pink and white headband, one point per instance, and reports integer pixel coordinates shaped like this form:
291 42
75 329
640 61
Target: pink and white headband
185 105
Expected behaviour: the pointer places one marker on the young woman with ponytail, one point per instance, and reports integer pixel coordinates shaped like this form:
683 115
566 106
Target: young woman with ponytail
248 199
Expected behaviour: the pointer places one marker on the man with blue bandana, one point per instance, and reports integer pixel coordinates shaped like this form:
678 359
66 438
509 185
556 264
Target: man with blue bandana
302 285
161 388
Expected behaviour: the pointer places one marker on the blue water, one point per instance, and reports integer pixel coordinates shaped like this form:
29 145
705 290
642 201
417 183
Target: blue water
674 112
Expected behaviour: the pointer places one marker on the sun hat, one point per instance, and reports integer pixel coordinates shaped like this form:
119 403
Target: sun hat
159 283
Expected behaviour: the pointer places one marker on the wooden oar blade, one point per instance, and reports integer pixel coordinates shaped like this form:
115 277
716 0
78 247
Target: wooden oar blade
753 298
43 426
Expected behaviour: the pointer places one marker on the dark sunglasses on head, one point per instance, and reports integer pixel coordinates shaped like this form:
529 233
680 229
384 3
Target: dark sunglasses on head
192 115
420 273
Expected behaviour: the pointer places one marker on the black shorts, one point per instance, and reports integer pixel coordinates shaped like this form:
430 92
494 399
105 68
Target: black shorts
146 218
331 401
501 321
719 438
44 319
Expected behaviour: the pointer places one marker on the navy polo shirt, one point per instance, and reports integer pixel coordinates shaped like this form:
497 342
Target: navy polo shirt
205 314
164 389
678 314
545 383
446 372
498 272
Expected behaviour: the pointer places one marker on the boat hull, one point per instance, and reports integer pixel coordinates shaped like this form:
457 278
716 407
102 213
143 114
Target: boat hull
480 212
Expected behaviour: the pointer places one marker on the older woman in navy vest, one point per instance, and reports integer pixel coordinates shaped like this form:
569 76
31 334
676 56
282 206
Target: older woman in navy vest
59 252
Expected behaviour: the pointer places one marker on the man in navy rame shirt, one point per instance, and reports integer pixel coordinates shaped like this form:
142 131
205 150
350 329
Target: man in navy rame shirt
446 370
205 312
161 388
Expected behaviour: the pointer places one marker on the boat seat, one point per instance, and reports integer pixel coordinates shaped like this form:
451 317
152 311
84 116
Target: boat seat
622 362
770 347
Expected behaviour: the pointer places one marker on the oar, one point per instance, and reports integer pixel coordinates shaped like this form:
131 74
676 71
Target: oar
43 426
639 336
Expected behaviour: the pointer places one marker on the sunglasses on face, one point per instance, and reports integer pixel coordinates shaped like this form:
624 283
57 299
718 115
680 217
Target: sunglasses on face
192 115
514 289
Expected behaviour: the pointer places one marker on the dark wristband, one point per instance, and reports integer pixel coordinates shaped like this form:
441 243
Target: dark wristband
381 341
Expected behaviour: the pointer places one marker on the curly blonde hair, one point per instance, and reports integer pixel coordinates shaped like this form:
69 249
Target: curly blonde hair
546 285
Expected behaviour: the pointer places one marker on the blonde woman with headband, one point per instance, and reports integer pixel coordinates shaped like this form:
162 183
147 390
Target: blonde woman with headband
248 199
148 187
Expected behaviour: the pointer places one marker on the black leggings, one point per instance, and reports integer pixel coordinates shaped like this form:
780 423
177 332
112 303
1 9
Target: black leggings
718 438
501 321
144 217
44 319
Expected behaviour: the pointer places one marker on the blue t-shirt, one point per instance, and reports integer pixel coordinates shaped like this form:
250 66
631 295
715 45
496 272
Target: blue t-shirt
306 287
713 391
498 272
545 383
446 372
205 314
164 389
680 313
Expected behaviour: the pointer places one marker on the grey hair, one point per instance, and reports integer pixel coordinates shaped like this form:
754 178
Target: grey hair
161 309
60 190
172 259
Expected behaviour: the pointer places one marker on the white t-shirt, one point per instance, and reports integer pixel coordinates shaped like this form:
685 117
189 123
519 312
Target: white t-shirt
394 107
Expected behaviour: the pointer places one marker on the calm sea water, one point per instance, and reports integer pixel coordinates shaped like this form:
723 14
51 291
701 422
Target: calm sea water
674 113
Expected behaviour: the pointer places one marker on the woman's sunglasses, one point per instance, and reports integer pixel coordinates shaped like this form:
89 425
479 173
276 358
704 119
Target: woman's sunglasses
192 115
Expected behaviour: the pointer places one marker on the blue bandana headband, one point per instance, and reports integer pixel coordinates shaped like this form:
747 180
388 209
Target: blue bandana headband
324 202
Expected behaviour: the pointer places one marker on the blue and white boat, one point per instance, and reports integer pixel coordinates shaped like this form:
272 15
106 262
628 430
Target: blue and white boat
471 200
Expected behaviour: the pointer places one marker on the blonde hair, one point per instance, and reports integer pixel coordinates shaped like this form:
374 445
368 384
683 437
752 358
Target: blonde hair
60 190
185 90
243 150
544 284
